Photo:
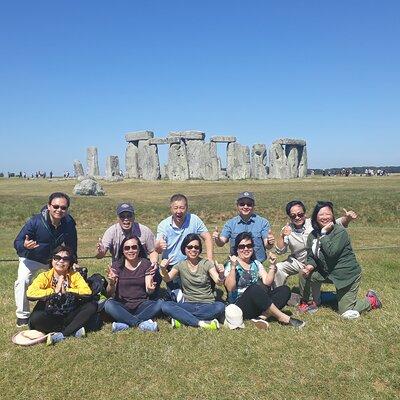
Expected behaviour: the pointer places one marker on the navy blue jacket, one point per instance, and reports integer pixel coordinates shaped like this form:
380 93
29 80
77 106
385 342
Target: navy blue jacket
40 229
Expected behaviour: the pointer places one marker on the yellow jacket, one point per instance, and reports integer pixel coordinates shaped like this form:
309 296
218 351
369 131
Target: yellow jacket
42 285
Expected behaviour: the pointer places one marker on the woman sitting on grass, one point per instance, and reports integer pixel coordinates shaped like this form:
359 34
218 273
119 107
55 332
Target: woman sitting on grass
58 309
330 259
130 283
258 302
199 308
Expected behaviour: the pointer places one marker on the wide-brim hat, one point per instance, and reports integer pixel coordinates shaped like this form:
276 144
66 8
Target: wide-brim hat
233 317
29 337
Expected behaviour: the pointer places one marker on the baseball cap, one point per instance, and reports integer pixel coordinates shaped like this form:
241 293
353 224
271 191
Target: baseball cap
246 195
233 317
125 207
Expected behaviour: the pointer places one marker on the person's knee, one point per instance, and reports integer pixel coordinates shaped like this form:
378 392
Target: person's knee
166 306
220 307
109 305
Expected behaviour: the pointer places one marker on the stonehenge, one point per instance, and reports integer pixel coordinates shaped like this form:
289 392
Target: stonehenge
191 157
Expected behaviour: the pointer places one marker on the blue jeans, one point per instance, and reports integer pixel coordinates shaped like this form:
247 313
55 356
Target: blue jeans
191 313
147 310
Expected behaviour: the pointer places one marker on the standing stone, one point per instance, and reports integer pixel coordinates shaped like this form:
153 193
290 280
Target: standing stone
292 155
195 157
177 167
277 161
131 160
259 162
148 162
112 167
93 161
238 161
211 162
78 169
303 164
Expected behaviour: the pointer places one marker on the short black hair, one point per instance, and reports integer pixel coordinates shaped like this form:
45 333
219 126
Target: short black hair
320 204
121 257
294 203
67 250
178 197
239 238
189 238
59 195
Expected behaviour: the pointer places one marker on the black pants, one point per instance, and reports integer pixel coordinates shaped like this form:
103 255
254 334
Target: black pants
66 324
256 299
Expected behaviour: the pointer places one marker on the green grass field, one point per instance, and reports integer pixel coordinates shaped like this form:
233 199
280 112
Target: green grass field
329 359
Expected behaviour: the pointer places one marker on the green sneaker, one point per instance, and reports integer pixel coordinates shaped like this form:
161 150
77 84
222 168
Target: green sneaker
212 326
176 324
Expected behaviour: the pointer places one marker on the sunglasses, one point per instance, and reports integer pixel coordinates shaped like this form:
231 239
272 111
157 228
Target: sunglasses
125 216
299 215
244 203
56 207
59 258
245 246
190 247
133 247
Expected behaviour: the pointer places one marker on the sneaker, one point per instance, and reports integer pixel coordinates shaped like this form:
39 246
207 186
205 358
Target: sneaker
373 299
80 333
307 307
176 324
21 322
212 326
294 323
312 307
119 326
260 323
54 338
148 326
302 307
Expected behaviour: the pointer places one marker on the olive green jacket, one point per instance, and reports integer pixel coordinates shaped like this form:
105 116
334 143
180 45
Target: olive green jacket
336 259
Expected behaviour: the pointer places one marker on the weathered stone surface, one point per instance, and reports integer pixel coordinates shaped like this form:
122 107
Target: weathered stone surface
177 167
223 139
195 157
139 135
93 161
188 135
167 140
287 159
259 162
88 187
112 167
238 161
211 162
131 161
148 162
303 164
117 178
295 142
78 169
163 171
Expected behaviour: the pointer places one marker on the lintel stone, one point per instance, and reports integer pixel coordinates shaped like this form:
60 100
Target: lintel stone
223 139
188 135
293 142
139 135
167 140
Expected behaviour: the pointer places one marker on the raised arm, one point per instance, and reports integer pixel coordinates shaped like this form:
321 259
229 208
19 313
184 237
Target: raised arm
206 236
230 278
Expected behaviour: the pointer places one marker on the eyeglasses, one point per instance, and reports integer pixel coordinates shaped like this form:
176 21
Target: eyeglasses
133 247
56 207
246 203
126 215
245 246
299 215
60 258
195 247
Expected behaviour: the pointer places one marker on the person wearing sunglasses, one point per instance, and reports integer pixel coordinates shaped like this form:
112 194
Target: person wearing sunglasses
130 282
293 237
249 286
57 291
199 308
124 227
246 221
34 244
331 259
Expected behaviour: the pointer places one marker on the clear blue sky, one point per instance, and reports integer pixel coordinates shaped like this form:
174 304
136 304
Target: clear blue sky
79 74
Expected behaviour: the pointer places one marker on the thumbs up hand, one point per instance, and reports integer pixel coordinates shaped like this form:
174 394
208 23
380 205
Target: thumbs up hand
29 243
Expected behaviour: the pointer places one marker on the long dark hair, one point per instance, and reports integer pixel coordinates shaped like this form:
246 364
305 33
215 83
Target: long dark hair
121 256
67 250
317 208
189 238
239 238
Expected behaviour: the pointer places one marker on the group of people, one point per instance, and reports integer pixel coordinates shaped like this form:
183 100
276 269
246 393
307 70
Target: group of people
320 252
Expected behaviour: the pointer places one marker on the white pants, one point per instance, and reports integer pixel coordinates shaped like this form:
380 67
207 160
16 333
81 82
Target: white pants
26 269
